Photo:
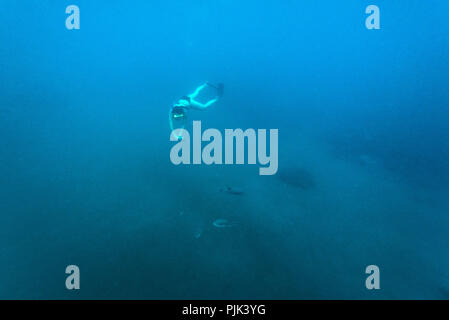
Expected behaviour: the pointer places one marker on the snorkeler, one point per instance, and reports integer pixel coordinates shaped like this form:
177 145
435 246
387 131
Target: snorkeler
178 110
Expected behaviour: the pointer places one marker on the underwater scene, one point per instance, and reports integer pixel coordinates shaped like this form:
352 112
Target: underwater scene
223 149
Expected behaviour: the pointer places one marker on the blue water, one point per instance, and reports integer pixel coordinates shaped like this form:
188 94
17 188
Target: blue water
86 178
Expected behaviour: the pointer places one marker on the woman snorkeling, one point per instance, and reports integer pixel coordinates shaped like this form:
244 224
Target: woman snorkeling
178 112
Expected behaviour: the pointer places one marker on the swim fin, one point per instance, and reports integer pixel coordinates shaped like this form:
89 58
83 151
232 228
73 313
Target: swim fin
220 90
219 87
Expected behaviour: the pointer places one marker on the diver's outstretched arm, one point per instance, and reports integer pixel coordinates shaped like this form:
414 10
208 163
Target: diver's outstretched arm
200 106
170 121
197 91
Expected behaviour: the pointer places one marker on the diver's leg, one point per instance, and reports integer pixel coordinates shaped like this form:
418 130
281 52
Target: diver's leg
211 102
198 105
197 91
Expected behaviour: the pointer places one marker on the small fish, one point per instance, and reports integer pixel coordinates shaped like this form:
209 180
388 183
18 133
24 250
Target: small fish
234 191
221 223
198 233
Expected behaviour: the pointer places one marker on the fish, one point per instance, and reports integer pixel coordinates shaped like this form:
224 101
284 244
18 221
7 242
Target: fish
221 223
297 178
233 191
